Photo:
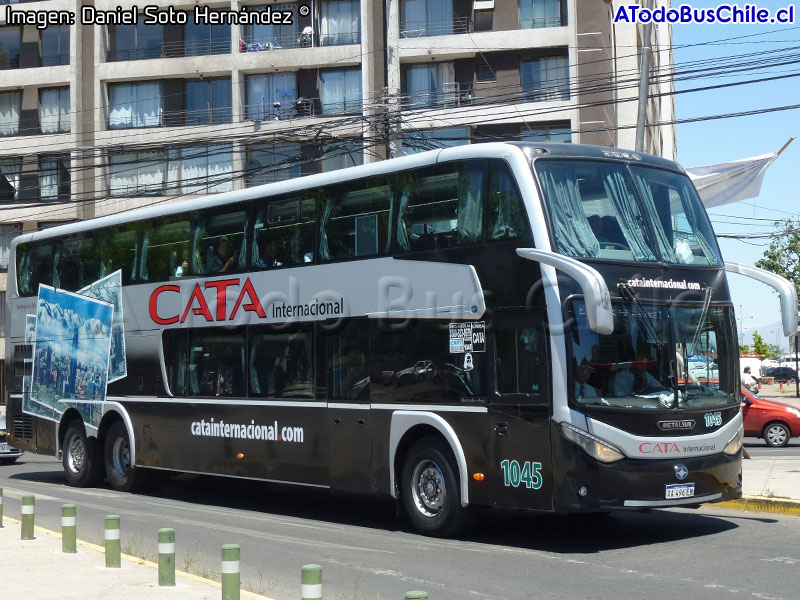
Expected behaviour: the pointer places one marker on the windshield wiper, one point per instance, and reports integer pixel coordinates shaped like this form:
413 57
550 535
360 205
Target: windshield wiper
702 319
642 316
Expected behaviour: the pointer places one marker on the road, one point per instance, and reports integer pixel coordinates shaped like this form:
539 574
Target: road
367 553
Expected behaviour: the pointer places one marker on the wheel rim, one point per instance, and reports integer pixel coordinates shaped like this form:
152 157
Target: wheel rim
428 488
76 454
121 457
776 435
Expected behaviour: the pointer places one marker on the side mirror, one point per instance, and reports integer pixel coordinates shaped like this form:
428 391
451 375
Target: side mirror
745 399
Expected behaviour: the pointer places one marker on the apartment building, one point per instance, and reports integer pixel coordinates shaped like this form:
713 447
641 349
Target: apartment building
99 118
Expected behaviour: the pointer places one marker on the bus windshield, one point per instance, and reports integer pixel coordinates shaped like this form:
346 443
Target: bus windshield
605 210
657 357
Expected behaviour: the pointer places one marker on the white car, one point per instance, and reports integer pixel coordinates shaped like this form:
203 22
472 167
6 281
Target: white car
8 454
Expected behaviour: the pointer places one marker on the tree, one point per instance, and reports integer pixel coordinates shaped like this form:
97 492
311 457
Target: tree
774 352
783 255
760 348
744 349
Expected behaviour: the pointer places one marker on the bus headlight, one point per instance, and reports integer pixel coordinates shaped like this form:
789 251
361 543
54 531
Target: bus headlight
735 443
593 446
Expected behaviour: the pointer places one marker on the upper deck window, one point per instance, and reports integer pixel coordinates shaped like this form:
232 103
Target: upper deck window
596 212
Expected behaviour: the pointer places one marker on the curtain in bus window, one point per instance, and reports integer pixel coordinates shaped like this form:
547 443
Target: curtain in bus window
505 212
471 185
405 185
662 238
571 229
9 113
629 216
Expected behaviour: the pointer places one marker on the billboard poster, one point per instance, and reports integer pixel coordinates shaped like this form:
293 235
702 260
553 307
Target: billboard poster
71 352
29 405
109 289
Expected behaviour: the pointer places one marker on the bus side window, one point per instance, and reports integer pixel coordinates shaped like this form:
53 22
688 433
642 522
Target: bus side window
520 360
284 232
216 364
505 213
165 245
120 251
441 207
34 266
176 359
281 364
355 219
347 362
219 244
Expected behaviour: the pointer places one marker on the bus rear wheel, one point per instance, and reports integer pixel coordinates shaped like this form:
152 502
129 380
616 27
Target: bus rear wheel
79 456
121 474
429 489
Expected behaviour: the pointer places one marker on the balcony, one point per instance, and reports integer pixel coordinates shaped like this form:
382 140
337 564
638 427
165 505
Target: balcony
172 50
427 28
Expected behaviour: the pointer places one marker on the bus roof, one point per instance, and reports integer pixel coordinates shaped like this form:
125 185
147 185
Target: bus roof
531 150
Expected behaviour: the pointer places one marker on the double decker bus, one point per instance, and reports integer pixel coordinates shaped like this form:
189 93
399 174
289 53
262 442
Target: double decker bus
502 324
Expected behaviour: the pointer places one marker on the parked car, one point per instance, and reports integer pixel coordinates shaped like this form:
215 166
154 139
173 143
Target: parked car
775 422
781 374
418 372
8 454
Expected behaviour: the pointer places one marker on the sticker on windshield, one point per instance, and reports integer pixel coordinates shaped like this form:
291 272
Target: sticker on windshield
467 337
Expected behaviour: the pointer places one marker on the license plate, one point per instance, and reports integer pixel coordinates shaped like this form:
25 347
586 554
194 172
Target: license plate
680 490
4 448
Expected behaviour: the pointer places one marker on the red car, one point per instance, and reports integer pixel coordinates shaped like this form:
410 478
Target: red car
776 422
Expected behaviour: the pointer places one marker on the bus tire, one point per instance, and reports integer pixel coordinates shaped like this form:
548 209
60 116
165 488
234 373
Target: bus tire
121 474
429 488
80 457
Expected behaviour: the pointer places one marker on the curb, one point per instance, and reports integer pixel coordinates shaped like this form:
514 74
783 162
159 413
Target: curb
141 561
783 506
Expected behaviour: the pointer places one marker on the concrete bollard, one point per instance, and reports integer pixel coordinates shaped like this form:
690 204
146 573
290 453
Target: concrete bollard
231 579
416 595
113 552
28 503
68 529
311 582
166 556
1 507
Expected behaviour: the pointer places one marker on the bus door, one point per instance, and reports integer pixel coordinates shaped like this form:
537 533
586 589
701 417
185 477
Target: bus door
519 415
347 384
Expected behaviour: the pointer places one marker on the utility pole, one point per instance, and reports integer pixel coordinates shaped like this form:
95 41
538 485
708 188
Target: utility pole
644 81
393 78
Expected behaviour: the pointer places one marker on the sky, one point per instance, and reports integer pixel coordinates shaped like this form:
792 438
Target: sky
717 141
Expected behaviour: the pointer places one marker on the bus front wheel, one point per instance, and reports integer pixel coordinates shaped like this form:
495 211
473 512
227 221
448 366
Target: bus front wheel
121 474
430 490
79 456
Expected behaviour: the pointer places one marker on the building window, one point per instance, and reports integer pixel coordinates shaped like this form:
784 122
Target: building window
184 170
545 78
485 73
134 105
10 169
541 13
340 92
548 133
202 39
431 139
137 173
267 163
200 169
54 178
10 38
7 233
420 18
54 110
135 42
259 37
55 45
340 22
340 155
430 85
9 111
208 101
270 97
483 15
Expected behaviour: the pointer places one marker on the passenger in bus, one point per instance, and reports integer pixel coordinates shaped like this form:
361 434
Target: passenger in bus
582 387
635 380
183 268
269 252
223 259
